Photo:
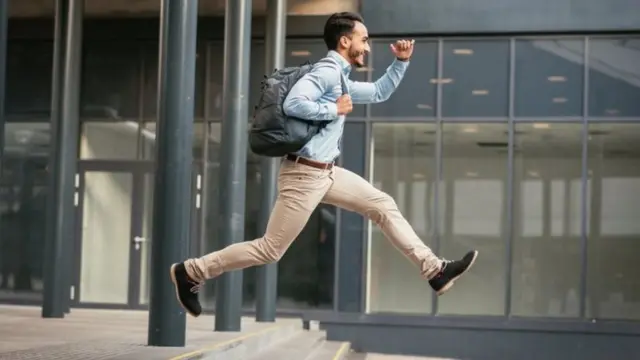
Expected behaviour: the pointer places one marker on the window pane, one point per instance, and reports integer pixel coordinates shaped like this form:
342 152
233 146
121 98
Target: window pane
299 52
475 78
614 239
216 72
403 167
416 95
549 77
546 236
23 200
474 206
110 81
29 66
614 77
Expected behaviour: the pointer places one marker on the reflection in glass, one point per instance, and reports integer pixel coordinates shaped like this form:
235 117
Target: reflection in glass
109 140
474 205
23 197
547 238
403 167
475 79
614 234
147 233
614 77
110 80
106 237
549 77
416 94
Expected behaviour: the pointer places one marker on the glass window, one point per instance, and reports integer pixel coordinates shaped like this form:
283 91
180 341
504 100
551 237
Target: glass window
614 77
416 95
403 167
23 201
547 257
549 77
475 80
28 84
110 81
614 234
150 54
216 72
473 204
299 52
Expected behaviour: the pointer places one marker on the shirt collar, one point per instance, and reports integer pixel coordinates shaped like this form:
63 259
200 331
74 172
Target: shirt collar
346 67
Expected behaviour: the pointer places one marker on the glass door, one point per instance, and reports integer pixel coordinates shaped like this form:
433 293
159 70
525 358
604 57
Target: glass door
114 214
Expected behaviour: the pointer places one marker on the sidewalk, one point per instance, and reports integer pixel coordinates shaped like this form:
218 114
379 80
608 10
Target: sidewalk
106 334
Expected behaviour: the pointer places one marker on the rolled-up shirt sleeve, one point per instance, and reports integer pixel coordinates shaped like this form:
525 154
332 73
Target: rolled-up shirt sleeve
303 100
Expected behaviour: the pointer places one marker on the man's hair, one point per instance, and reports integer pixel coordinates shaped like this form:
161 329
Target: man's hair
339 25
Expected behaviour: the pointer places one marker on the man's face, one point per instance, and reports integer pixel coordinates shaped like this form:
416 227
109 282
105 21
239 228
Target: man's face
358 45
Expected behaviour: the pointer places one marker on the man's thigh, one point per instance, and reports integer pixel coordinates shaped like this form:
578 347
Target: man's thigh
301 188
351 192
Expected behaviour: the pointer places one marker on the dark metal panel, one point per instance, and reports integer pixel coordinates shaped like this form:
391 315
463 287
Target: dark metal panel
483 344
350 252
494 16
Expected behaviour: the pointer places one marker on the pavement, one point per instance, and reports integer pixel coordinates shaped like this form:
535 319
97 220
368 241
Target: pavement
108 334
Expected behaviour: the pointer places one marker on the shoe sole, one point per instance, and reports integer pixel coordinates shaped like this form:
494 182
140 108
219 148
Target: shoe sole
172 274
450 283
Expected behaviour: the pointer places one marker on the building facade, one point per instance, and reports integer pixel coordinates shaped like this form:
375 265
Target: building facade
516 131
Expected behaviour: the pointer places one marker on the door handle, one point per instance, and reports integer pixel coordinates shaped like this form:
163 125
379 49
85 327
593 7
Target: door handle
137 240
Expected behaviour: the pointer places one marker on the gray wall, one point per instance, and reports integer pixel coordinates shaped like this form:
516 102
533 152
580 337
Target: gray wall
496 16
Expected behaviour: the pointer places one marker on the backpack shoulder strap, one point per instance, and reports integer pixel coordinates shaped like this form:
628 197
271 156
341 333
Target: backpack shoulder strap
343 82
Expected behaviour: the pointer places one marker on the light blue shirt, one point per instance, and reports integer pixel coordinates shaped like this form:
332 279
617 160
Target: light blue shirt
314 97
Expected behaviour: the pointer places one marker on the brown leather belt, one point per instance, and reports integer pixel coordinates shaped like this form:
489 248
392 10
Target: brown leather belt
305 161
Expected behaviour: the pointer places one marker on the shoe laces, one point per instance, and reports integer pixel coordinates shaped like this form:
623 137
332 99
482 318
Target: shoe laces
196 286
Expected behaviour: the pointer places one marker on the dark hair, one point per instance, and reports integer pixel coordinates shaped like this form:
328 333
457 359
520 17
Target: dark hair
339 25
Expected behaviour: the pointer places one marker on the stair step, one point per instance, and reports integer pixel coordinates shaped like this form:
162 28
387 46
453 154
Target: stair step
297 347
331 350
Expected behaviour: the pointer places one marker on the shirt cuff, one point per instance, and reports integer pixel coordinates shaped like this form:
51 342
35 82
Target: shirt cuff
400 64
332 110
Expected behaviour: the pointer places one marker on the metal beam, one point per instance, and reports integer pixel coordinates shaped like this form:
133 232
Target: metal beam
267 275
172 192
4 19
233 163
65 119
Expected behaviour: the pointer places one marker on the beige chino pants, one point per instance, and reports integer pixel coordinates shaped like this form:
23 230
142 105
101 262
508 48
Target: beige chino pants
300 189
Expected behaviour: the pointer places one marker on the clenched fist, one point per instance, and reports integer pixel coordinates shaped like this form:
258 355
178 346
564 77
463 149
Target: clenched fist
344 105
403 49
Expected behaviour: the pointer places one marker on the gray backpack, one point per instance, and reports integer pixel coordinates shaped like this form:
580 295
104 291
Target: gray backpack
273 133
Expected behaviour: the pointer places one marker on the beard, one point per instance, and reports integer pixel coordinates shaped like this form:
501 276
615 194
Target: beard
353 56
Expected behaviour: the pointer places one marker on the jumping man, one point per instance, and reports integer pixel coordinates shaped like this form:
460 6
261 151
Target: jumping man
310 177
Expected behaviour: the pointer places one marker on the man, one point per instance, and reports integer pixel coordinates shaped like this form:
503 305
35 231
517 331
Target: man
310 177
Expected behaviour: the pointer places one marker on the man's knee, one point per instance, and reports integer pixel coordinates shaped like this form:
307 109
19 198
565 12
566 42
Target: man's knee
380 206
269 251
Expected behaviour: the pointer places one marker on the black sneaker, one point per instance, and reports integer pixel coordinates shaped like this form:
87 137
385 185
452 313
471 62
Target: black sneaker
186 289
451 271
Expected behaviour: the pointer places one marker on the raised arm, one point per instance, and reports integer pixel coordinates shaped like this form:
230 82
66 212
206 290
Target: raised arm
303 100
381 89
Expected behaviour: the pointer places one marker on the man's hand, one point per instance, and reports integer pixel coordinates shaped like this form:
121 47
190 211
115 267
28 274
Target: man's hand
403 49
344 105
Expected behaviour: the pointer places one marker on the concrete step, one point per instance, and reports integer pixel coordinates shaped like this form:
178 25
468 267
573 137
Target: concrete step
245 347
306 345
331 350
297 347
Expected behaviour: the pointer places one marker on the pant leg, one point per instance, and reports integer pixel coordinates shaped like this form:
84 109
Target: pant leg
300 189
351 192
